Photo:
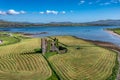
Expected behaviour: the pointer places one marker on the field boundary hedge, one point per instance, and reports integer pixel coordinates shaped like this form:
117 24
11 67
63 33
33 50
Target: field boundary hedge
115 69
54 76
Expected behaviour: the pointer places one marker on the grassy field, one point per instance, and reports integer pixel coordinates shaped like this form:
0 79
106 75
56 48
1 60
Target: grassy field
116 30
10 38
19 61
87 63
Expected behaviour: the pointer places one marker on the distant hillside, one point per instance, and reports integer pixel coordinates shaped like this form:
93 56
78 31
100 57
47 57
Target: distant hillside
95 23
106 22
13 24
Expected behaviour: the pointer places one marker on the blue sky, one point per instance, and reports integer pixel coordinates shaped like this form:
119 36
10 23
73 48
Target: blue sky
59 10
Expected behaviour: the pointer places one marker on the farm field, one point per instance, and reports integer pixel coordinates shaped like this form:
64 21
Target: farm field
16 64
83 61
87 63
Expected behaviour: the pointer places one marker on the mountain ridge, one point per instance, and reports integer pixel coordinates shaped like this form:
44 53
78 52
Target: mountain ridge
93 23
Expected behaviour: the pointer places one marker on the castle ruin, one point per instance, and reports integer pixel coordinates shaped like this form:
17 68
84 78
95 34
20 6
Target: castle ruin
49 45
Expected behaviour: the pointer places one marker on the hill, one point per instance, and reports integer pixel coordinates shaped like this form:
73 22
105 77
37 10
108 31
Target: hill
13 24
106 22
94 23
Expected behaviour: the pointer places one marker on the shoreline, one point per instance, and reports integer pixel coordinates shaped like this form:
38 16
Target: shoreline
112 32
102 44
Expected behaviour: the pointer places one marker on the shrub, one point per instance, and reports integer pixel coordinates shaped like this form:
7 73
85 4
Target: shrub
38 50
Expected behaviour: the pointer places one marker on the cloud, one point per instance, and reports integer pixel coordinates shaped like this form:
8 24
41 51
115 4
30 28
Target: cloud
52 12
99 2
22 12
2 13
81 2
12 12
42 12
63 12
106 3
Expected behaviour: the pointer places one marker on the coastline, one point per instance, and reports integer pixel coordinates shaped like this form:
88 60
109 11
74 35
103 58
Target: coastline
112 32
102 44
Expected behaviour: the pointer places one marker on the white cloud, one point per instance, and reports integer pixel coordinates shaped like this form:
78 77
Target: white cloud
42 12
81 2
63 12
52 12
22 12
2 13
106 3
12 12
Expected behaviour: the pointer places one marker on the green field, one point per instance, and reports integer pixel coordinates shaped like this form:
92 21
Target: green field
9 38
20 62
116 30
88 63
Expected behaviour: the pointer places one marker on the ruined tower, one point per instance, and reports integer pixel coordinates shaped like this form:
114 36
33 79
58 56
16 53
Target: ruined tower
49 45
44 45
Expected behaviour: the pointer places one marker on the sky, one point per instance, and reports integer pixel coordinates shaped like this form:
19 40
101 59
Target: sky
45 11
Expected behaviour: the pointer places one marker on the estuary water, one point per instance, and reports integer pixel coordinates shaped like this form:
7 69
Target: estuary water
90 32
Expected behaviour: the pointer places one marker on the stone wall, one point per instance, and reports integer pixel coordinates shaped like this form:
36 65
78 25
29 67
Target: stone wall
49 45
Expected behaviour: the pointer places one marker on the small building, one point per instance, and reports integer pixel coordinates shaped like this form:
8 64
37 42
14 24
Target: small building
1 41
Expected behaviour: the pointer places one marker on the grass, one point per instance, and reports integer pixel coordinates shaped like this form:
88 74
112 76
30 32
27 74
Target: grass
47 55
24 67
86 63
115 70
7 39
54 75
20 62
25 46
116 30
